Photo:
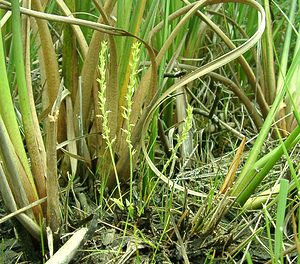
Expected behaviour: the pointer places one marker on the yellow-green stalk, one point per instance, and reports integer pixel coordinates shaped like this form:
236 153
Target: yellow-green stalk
103 109
127 113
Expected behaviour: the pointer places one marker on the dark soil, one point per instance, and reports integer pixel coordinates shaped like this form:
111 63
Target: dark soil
107 242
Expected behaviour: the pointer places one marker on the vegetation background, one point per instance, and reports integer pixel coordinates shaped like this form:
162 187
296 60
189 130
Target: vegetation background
135 131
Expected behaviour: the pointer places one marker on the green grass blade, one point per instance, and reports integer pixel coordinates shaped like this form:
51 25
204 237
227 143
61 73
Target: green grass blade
245 178
282 199
7 113
38 165
286 48
257 173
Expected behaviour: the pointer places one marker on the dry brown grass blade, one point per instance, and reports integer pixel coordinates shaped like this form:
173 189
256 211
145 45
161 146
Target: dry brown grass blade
268 57
49 58
89 68
53 204
68 20
72 147
251 108
39 138
182 246
233 168
50 67
53 207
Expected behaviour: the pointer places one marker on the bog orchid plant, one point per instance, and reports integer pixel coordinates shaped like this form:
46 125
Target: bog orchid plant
94 92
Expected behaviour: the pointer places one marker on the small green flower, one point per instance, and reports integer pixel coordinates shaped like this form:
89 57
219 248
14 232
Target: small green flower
188 122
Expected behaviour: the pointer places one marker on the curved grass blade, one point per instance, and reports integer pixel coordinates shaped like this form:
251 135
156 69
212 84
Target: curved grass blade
209 67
